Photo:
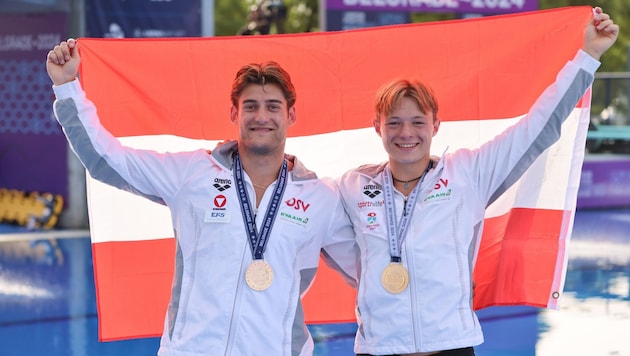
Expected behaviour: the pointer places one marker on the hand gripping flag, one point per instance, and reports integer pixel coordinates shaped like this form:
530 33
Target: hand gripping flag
173 94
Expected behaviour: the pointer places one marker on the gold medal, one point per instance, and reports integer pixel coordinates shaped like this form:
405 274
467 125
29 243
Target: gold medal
259 275
395 278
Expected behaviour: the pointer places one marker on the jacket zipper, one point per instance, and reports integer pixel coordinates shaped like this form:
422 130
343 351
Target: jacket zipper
405 205
228 343
239 283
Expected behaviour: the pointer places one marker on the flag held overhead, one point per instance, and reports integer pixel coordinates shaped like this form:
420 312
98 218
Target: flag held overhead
173 94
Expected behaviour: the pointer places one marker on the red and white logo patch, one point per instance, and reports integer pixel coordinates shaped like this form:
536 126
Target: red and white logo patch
220 201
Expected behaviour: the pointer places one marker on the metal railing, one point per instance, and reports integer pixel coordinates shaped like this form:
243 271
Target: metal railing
610 116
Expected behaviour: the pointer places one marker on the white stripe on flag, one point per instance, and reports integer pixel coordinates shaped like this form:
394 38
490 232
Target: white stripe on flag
544 185
119 216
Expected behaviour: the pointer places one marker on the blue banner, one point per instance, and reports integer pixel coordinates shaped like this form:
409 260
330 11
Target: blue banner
33 150
337 20
483 7
143 18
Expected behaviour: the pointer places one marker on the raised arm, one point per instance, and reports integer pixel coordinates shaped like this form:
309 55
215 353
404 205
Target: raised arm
62 62
143 172
600 33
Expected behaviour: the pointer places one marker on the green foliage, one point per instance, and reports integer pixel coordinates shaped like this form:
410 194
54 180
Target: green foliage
229 16
616 58
303 16
232 15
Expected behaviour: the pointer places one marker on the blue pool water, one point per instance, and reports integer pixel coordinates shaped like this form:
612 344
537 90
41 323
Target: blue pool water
47 301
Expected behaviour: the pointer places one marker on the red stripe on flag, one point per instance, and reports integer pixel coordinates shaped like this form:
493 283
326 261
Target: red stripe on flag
181 86
517 258
134 284
133 287
330 299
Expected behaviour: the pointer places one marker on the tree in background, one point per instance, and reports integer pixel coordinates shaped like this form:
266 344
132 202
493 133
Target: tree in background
230 16
303 16
265 16
610 97
616 58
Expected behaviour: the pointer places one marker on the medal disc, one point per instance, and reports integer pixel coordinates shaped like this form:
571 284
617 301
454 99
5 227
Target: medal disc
395 278
259 275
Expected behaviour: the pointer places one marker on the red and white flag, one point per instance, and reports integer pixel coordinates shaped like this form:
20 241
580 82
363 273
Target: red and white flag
173 95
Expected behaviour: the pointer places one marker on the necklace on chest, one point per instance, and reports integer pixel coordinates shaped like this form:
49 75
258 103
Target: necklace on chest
406 182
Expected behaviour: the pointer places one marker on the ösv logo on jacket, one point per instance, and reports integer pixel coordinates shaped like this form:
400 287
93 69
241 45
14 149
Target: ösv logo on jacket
441 191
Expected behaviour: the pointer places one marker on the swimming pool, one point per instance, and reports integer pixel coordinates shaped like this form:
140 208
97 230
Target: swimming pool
47 301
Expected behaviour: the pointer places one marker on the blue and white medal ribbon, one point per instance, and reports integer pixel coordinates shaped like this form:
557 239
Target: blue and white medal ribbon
259 274
395 277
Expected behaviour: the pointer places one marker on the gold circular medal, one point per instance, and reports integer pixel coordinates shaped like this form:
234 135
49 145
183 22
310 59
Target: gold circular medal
395 278
259 275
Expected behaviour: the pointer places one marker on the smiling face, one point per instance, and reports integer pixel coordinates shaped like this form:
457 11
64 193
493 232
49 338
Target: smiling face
263 118
406 122
263 100
407 133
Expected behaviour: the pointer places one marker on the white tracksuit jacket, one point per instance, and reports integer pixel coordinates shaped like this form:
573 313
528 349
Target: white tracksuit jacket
435 311
212 311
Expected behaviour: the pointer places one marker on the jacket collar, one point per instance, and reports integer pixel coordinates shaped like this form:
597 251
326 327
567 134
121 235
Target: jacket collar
223 154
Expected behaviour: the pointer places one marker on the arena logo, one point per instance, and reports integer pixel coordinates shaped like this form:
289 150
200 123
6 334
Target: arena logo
222 184
372 190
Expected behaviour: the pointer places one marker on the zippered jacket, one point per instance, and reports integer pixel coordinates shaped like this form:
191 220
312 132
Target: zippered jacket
435 311
212 311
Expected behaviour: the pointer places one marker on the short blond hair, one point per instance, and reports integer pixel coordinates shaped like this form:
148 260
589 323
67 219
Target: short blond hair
389 95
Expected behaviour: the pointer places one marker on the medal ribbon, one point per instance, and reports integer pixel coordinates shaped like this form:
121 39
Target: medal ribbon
257 242
396 236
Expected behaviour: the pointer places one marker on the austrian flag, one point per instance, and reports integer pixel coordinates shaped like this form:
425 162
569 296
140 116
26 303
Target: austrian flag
173 95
